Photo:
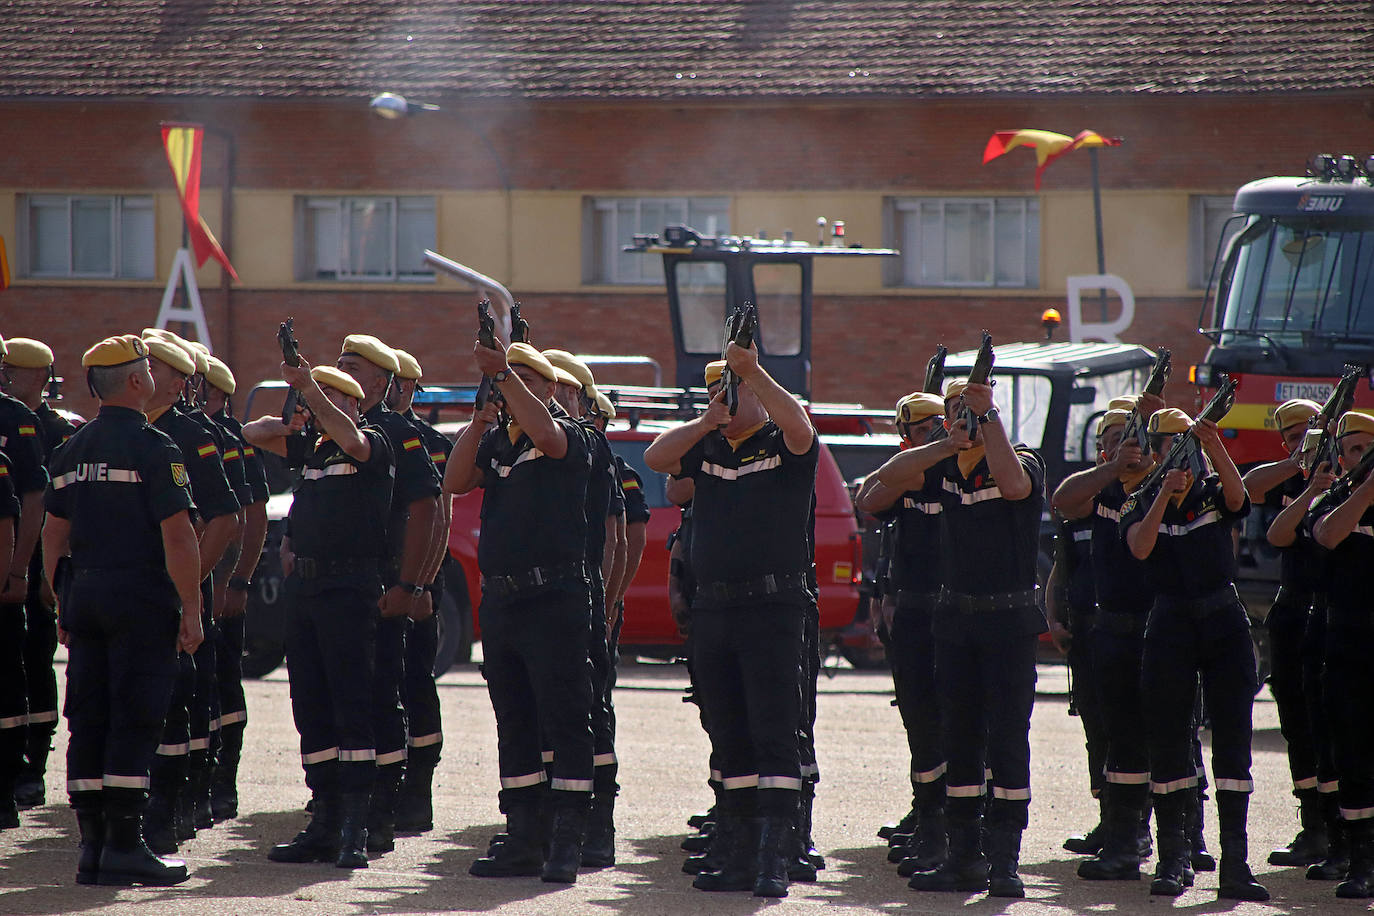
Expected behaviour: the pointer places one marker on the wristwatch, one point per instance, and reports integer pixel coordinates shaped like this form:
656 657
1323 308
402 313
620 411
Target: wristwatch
415 590
240 584
501 376
990 416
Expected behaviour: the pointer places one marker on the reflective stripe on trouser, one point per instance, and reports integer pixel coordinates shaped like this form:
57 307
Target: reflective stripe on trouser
40 643
911 652
535 662
1287 626
1349 694
1314 655
1118 657
330 650
121 666
747 663
419 694
388 715
810 671
229 634
1084 671
981 735
599 653
1180 648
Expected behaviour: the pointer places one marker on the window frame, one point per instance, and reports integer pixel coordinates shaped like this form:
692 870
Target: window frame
594 272
896 270
118 203
341 205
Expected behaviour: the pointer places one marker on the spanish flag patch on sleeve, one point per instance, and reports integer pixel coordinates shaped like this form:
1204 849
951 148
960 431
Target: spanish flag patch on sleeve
438 457
27 431
411 444
206 450
629 485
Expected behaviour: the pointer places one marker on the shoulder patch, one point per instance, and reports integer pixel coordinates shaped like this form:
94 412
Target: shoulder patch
179 476
411 444
27 431
206 450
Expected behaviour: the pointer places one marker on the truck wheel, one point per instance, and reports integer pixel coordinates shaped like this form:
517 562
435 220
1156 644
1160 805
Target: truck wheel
455 629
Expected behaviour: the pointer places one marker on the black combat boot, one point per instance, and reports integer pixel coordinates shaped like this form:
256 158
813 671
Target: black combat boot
929 847
415 801
1310 845
804 861
124 859
1004 857
90 820
1359 882
739 843
381 812
598 846
319 841
521 853
565 838
1337 861
29 788
199 786
1172 871
966 868
1120 856
224 789
1145 846
713 859
159 829
1234 880
353 816
905 826
1090 843
776 838
1199 859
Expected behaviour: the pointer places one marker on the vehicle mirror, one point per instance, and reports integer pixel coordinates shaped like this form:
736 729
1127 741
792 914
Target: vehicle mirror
1084 395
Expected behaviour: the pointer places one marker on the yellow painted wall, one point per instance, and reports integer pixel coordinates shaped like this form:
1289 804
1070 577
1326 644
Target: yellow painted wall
1145 240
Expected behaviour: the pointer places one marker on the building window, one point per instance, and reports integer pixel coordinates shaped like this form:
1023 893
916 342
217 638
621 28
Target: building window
965 241
362 239
1207 221
611 223
81 235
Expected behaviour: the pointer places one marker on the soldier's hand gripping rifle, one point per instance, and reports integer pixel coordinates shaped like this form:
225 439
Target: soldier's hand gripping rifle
1186 452
1136 422
935 371
980 374
740 329
486 336
1345 484
291 355
1318 444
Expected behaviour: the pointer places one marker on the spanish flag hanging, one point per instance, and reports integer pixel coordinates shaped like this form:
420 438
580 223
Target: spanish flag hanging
182 143
1048 146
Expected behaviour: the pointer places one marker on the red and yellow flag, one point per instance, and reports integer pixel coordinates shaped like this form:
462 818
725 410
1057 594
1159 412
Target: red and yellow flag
1048 145
182 142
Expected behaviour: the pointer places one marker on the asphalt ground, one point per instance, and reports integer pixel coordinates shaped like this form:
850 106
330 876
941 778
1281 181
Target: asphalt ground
663 765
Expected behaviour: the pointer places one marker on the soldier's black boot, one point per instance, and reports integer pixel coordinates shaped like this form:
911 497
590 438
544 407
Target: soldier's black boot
381 813
770 862
1172 872
713 859
1234 880
159 830
124 859
1309 846
319 841
415 801
907 824
565 838
1145 846
966 868
224 789
199 785
598 846
929 847
1199 859
1359 882
521 853
1004 857
1090 843
802 857
738 855
1337 861
353 816
1120 856
808 805
29 789
90 820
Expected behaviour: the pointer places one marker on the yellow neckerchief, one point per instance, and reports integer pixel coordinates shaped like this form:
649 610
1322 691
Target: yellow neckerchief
153 416
324 437
1131 481
969 458
513 430
737 441
1178 498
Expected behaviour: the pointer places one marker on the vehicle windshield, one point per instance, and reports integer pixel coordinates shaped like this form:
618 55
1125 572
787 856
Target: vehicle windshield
1028 397
1295 280
701 300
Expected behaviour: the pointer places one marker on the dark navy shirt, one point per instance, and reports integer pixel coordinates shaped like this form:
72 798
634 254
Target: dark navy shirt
1194 554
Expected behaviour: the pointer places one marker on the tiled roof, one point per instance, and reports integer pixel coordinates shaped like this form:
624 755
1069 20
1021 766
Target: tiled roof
680 49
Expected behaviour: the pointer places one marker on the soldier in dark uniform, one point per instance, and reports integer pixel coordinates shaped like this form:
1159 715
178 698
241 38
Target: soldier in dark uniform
411 532
576 393
1115 641
120 506
915 582
232 594
636 518
186 750
419 693
754 474
535 599
1277 485
28 689
337 528
985 637
1197 627
1342 522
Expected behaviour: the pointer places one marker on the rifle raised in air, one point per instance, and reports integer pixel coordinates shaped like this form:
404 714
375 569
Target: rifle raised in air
519 327
1136 422
980 374
935 371
1186 450
740 329
291 355
1318 444
486 336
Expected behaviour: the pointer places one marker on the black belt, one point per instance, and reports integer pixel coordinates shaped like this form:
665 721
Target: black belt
996 601
909 597
335 567
1202 604
1120 623
751 588
1295 597
536 577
